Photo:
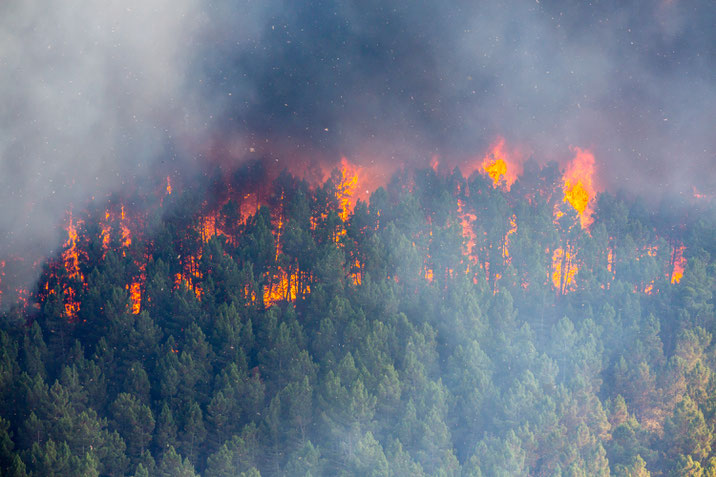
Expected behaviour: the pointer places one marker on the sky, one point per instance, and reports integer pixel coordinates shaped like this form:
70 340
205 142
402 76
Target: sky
102 98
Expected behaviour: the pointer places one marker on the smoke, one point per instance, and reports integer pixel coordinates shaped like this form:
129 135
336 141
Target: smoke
99 96
634 82
95 95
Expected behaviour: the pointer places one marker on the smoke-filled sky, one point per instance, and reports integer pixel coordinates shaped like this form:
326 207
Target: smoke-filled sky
98 97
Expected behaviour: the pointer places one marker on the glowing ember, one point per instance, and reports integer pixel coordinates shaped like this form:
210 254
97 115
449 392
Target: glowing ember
679 264
169 186
578 185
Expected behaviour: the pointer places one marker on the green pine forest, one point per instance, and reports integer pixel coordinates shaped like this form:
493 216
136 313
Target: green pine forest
406 350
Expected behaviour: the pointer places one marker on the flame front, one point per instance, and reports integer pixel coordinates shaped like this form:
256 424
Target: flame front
578 185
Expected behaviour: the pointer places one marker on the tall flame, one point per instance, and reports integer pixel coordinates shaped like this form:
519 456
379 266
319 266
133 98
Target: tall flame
70 260
346 188
70 257
578 185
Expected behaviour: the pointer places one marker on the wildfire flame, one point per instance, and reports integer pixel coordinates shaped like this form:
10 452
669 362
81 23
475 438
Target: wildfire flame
563 270
679 264
499 166
346 188
578 185
126 239
135 297
71 261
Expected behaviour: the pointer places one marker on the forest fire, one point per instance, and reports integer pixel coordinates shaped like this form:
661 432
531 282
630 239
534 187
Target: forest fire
578 185
346 187
563 270
135 297
501 167
70 257
284 282
679 262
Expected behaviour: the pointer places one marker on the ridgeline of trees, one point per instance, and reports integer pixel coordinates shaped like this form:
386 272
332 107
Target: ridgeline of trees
401 354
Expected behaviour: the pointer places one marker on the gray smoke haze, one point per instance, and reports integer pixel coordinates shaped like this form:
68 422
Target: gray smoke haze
93 96
99 96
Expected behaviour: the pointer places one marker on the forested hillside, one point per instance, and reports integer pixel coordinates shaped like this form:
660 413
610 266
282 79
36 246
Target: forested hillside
450 325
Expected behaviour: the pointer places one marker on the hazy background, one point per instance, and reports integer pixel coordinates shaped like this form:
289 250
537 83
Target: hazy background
104 97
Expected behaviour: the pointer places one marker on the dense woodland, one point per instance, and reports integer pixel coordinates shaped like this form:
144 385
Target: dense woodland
434 330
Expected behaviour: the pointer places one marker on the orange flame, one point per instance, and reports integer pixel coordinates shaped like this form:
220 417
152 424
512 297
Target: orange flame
679 265
578 185
466 219
563 270
126 233
285 289
346 188
499 166
169 186
70 257
513 229
105 230
135 297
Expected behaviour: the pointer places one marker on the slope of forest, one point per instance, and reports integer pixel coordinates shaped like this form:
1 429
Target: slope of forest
449 326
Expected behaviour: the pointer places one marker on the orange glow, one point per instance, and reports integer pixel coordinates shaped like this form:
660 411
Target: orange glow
435 163
502 167
70 257
279 226
563 270
466 219
346 188
679 264
71 262
126 239
357 273
284 289
189 283
72 305
513 229
105 230
578 185
169 186
352 183
135 297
